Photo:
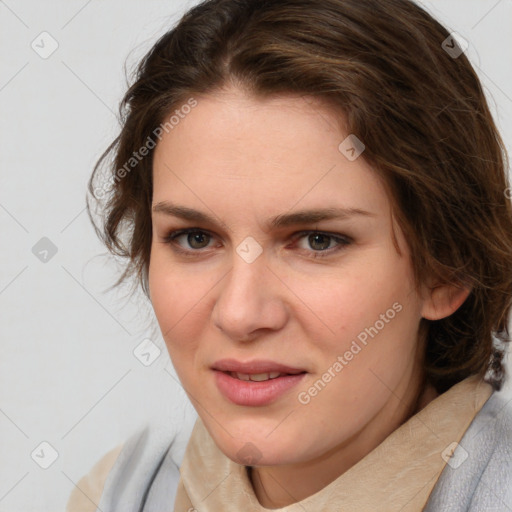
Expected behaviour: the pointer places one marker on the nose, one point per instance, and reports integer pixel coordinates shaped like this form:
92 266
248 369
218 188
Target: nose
250 301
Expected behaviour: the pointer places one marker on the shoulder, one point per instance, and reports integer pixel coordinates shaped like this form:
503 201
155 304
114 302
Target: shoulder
491 442
478 476
490 432
87 492
123 476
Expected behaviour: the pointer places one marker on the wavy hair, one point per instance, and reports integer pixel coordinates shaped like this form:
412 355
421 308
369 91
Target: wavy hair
419 108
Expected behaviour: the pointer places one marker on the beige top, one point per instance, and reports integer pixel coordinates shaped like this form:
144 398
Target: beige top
399 474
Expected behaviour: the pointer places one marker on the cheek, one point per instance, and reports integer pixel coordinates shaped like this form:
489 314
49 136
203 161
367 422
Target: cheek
344 304
375 327
178 298
369 317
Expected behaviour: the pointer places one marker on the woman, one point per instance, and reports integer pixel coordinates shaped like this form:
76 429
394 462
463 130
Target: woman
313 195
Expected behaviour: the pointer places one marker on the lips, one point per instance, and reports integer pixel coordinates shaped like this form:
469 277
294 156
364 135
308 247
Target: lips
255 383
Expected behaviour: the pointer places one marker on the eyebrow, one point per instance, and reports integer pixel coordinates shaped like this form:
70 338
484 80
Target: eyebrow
279 221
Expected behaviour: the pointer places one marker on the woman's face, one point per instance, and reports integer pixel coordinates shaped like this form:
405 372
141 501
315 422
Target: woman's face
325 294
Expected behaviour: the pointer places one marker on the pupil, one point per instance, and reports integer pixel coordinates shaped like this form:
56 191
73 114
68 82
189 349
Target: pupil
195 237
314 238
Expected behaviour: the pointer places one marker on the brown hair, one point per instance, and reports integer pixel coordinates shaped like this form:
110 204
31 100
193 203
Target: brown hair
419 110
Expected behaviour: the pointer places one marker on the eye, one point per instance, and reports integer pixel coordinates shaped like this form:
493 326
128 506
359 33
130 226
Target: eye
321 242
195 238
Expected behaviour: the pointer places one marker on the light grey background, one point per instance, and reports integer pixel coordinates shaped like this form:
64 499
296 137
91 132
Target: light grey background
68 375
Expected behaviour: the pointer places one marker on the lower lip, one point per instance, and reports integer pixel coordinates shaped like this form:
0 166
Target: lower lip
242 392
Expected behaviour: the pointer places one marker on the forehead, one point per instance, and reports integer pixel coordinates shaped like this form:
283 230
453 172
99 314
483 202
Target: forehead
235 148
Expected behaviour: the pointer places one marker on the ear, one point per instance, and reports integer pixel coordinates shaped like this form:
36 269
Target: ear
444 300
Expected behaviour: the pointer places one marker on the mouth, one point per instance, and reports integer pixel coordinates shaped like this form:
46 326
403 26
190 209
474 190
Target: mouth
255 383
260 377
256 370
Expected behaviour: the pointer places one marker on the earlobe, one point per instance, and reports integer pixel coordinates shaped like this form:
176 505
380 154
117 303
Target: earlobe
443 301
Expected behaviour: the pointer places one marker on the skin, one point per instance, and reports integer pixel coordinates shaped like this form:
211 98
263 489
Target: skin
245 160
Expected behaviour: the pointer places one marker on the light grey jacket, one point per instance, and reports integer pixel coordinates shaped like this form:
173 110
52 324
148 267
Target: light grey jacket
146 474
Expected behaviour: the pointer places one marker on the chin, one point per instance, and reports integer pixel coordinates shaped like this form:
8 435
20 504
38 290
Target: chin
255 448
250 455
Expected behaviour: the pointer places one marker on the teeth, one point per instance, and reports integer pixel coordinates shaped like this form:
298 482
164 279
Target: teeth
256 377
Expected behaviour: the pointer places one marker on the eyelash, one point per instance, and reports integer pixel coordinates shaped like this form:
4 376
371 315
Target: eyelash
342 241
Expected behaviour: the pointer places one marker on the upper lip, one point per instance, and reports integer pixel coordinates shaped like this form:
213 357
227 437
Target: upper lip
254 366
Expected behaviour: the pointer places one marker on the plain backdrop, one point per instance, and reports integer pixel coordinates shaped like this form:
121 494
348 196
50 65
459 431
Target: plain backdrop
69 377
